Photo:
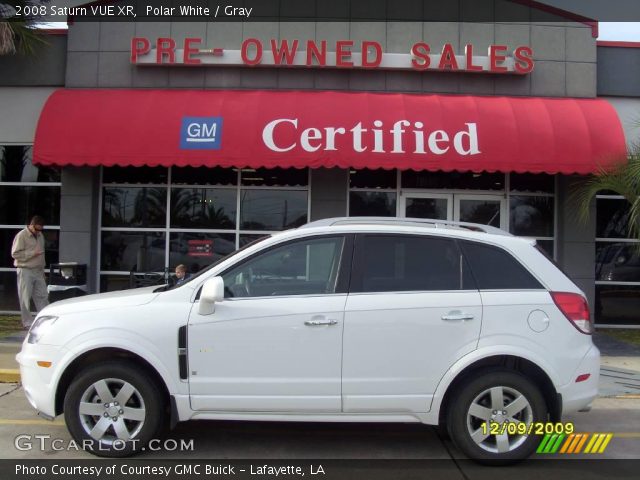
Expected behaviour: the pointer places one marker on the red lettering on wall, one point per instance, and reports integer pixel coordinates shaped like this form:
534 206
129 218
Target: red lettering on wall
244 53
188 51
421 59
283 52
497 55
165 46
468 52
448 58
139 46
319 54
523 59
366 51
343 53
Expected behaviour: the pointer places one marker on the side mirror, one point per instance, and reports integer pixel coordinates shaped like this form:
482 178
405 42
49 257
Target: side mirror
212 292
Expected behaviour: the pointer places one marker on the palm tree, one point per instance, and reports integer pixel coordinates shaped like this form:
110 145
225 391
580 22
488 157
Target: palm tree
18 34
624 180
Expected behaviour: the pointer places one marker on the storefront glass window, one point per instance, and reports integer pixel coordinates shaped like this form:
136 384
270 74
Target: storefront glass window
617 264
204 176
203 208
134 207
25 190
531 216
137 251
617 304
16 166
612 215
275 177
373 179
154 219
452 180
427 208
272 209
146 175
245 239
372 204
532 182
196 250
19 203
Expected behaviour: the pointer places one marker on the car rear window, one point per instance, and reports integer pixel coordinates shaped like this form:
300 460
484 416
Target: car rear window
496 269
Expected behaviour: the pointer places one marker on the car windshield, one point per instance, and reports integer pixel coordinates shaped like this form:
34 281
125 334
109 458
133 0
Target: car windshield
164 288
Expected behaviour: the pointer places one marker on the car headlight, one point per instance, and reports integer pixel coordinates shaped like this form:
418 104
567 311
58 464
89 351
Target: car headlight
40 327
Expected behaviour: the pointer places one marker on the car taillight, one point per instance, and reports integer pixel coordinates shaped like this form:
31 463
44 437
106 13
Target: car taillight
574 306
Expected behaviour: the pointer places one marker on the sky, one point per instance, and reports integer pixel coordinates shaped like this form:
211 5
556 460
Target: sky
620 31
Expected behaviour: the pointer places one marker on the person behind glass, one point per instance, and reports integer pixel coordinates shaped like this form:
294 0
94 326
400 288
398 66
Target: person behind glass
27 251
181 274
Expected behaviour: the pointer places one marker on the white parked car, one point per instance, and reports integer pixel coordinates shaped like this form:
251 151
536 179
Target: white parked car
342 320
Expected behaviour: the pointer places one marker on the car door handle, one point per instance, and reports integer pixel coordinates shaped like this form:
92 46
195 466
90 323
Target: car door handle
457 316
316 323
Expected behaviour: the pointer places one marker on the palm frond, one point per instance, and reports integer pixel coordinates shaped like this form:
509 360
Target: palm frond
623 180
27 39
7 44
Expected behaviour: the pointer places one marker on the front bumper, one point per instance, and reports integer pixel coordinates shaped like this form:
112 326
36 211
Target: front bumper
39 383
577 396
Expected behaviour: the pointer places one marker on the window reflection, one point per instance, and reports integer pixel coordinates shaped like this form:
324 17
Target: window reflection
272 209
197 250
612 218
19 204
617 262
203 208
617 304
16 165
531 216
372 204
137 251
134 207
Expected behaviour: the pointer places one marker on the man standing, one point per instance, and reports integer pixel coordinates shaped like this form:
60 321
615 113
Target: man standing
28 255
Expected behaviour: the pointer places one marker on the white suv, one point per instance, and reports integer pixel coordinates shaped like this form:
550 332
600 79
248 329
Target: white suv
345 320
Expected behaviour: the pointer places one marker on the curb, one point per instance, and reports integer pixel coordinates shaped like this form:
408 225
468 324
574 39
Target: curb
9 375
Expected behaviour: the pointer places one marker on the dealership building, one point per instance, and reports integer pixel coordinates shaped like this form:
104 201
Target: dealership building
151 144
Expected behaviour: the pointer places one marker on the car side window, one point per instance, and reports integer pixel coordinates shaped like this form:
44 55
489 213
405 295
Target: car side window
496 269
303 267
397 263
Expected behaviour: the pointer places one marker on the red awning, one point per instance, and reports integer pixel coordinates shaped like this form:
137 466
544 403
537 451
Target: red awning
327 129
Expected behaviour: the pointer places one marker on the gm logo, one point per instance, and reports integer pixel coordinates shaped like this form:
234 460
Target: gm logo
201 133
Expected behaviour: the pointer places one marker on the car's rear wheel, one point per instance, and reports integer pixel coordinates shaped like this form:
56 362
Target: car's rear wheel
113 409
489 413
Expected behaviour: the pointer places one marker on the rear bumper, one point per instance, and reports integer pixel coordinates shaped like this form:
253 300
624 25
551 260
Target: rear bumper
578 396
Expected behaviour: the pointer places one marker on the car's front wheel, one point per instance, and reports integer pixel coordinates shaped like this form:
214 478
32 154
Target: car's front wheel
490 415
113 409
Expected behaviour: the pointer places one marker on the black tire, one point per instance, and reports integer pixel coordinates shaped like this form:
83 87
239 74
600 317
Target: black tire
146 402
477 390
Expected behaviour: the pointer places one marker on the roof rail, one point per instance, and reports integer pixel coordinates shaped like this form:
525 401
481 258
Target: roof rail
423 222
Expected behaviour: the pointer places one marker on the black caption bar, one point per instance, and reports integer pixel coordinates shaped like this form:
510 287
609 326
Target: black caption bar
366 469
333 10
